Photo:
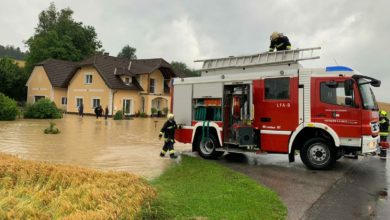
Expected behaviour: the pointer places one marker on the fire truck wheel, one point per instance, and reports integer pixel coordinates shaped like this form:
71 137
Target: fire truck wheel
318 154
339 153
207 148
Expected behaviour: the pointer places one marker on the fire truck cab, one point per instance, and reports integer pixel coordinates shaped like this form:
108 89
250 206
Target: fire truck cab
269 103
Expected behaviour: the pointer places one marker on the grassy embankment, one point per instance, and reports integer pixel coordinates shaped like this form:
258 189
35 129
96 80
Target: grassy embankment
199 189
192 189
34 190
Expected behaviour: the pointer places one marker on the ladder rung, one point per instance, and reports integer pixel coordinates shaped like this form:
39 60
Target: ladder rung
277 57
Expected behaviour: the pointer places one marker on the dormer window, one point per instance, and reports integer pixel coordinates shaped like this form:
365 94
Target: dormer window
127 80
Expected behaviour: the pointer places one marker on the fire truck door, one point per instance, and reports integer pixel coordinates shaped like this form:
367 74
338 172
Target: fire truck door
335 104
276 111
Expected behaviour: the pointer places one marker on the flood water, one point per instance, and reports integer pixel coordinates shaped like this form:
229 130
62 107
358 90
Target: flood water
125 145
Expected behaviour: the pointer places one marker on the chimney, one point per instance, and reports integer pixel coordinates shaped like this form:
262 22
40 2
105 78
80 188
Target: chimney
106 54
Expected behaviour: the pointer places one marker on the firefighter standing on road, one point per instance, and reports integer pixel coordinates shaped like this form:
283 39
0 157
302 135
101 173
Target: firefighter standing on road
279 42
383 131
168 130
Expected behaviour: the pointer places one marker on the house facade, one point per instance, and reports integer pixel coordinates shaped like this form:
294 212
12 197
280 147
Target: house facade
133 86
48 80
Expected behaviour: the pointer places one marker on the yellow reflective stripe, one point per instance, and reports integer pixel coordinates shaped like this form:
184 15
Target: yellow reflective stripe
271 49
279 45
383 133
172 151
170 127
163 151
288 47
161 133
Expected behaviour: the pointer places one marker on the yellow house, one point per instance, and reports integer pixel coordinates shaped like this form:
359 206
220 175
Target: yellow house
133 86
48 80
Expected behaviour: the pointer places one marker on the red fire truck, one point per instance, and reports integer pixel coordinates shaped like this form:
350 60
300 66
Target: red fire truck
269 103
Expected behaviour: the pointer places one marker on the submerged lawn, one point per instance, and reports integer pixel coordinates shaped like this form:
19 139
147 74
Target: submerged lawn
200 189
34 190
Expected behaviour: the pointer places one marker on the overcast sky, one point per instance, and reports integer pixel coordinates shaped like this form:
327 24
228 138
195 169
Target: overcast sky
353 33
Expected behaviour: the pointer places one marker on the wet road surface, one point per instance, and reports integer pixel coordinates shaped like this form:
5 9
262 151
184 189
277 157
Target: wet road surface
125 145
357 195
348 191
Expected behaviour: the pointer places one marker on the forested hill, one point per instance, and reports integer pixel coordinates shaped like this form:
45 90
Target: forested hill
12 52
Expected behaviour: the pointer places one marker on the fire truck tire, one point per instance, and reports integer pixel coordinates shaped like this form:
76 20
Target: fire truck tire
318 154
207 148
339 154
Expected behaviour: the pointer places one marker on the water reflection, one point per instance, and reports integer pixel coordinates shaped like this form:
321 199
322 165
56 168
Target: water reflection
128 145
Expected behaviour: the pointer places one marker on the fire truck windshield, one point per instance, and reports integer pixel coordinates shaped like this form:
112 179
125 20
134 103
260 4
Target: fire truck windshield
367 95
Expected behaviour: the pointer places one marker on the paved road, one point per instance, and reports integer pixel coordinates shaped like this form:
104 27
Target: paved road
359 194
348 191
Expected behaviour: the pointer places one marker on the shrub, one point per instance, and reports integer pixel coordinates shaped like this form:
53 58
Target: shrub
43 108
51 129
142 115
118 115
165 110
154 111
8 108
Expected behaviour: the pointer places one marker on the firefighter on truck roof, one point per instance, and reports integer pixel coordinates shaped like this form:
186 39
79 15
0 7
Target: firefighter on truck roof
168 130
279 42
383 131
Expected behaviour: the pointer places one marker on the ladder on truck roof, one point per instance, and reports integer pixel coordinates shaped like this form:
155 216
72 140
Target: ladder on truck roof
261 59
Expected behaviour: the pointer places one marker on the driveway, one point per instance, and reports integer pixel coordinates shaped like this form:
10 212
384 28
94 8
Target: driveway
349 191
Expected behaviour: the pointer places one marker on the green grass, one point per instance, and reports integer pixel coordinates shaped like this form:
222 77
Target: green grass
200 189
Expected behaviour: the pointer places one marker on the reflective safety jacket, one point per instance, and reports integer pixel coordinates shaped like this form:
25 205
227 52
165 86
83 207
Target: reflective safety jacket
169 129
383 126
280 43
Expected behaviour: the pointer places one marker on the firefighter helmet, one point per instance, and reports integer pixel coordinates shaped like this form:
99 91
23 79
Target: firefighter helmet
274 35
383 113
170 116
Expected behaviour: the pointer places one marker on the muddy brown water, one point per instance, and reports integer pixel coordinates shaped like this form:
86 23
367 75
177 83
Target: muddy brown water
126 145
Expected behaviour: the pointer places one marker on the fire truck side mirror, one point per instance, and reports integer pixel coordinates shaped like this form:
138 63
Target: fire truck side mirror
348 87
349 101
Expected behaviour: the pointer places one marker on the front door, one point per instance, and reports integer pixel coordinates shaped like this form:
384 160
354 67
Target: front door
126 106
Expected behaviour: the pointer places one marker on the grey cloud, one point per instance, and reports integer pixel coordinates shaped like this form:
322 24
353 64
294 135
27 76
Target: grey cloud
352 32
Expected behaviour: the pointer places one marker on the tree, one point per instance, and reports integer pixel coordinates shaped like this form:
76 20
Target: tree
58 36
13 79
11 51
128 52
182 69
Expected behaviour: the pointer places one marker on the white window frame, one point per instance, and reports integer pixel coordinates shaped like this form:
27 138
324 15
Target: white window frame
154 85
131 106
79 97
127 80
35 99
62 100
88 78
95 98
